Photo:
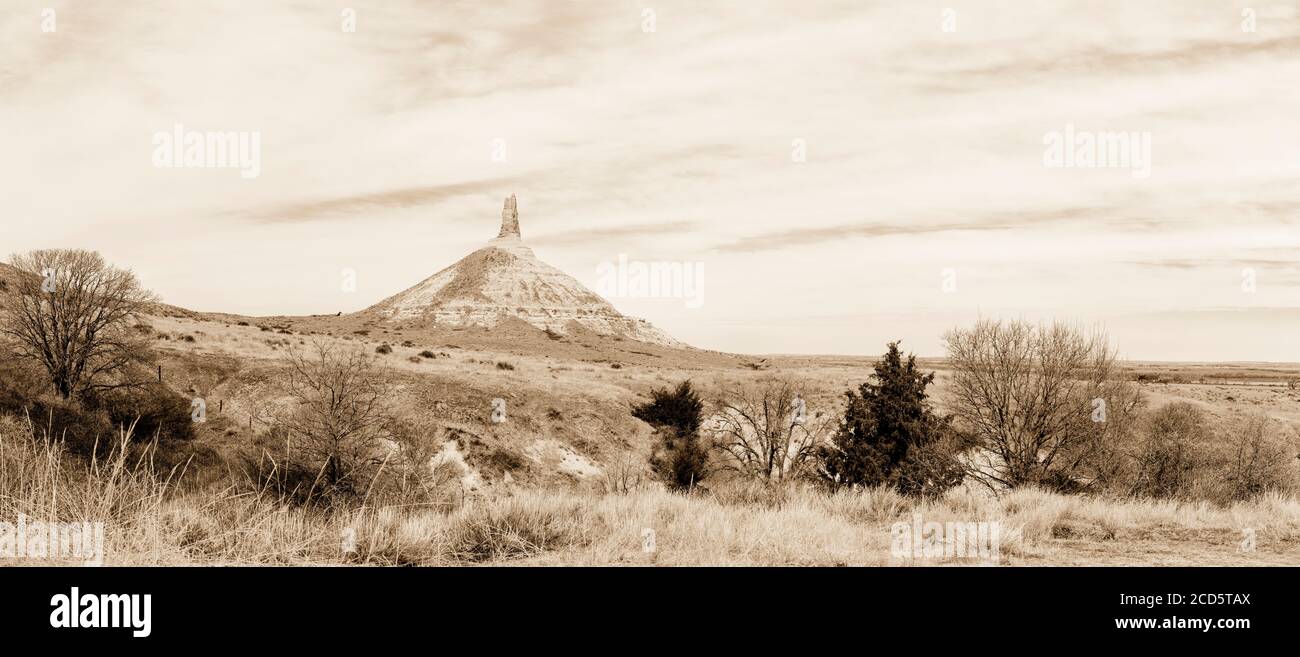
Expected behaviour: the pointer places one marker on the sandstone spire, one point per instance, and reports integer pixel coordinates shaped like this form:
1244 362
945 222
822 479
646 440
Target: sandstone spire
510 219
504 279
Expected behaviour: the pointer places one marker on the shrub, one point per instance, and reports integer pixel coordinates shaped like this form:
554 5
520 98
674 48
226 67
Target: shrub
414 474
679 459
86 434
383 349
622 476
268 469
504 459
679 409
428 354
502 365
90 429
156 410
409 476
1165 460
338 423
1256 459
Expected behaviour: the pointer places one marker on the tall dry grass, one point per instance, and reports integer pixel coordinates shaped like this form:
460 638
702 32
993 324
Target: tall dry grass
149 520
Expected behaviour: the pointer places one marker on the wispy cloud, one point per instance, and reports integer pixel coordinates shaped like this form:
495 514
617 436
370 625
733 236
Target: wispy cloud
1000 221
1113 60
350 206
1202 263
605 235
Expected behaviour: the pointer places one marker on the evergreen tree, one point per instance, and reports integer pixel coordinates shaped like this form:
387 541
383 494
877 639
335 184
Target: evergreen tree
890 435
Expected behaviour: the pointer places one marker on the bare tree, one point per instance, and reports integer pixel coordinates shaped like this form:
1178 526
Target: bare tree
339 423
71 312
1040 404
765 432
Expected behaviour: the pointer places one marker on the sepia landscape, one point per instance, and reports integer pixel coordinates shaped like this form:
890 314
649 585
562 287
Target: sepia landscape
500 412
794 284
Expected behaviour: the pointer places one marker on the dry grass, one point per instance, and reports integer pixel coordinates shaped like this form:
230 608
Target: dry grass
148 521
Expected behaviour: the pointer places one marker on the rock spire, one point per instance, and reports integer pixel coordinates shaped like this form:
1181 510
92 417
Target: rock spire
510 219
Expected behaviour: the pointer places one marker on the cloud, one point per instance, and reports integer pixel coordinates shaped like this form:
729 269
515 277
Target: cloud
1184 263
1001 221
349 206
811 236
1114 61
596 236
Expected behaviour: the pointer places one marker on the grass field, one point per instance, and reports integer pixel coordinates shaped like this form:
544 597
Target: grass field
149 522
569 422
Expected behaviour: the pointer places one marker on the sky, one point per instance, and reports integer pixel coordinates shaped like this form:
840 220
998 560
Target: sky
844 174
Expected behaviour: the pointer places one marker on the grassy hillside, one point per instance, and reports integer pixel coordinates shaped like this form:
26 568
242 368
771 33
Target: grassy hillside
535 489
567 396
567 399
149 522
